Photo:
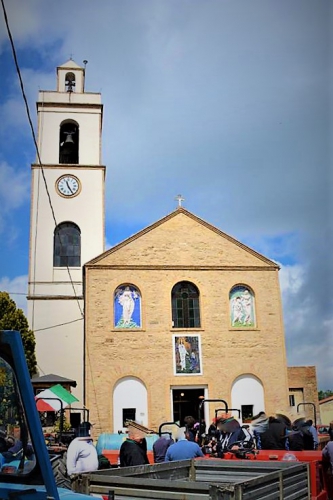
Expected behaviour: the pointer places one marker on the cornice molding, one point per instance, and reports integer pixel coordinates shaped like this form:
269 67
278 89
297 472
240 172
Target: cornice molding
54 297
179 268
43 105
66 166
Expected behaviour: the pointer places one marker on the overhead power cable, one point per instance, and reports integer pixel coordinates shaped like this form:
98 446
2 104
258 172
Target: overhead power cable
60 324
18 71
35 295
47 327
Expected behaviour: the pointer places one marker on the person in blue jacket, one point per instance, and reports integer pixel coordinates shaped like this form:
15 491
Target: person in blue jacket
183 449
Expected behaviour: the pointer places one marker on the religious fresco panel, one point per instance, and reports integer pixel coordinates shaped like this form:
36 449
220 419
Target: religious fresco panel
242 310
127 307
187 355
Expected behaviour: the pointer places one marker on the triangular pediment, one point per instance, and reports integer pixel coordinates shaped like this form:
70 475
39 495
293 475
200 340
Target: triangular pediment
182 240
70 64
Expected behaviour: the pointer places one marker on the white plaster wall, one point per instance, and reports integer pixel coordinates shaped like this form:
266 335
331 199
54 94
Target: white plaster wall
89 121
86 210
129 392
46 97
248 390
60 350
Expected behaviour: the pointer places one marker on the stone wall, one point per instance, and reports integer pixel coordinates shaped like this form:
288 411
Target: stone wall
147 353
326 410
302 382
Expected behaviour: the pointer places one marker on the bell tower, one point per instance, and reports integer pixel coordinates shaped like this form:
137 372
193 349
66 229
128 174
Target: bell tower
67 220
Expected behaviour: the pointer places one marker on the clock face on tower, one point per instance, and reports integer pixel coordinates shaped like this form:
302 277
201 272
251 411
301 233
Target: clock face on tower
68 186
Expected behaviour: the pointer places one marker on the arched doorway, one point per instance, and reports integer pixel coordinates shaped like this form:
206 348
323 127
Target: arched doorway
247 394
130 402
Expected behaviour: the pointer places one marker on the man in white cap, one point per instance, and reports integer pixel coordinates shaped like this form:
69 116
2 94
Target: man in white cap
81 455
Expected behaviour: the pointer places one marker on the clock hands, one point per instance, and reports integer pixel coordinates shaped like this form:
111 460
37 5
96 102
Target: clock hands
69 187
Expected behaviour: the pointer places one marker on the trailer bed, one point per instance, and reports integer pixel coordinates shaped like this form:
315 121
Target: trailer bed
201 480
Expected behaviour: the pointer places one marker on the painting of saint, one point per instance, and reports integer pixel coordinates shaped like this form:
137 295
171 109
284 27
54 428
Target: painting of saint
187 355
242 313
127 307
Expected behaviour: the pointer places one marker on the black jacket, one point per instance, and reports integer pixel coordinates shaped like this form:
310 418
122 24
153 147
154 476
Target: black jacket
132 453
301 441
274 437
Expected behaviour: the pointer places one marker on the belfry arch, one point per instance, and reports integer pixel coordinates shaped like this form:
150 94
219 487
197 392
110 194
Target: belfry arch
69 142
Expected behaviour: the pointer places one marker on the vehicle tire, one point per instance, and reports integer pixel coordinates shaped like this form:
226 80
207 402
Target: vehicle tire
60 471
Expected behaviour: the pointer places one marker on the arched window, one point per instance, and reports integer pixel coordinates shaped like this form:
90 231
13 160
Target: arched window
242 310
185 305
69 142
70 82
67 245
127 307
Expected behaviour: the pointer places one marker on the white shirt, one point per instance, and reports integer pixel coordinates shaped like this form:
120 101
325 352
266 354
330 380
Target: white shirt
81 456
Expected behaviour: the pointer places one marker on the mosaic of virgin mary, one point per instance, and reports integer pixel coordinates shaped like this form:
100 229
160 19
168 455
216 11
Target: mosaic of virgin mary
127 307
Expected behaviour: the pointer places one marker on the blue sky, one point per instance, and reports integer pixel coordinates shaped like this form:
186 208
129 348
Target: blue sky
228 102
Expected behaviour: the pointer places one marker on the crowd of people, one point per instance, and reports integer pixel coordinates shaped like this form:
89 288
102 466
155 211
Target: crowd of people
224 434
194 440
190 441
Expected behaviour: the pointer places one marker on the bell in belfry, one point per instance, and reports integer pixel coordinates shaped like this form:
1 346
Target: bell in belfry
68 149
69 137
70 82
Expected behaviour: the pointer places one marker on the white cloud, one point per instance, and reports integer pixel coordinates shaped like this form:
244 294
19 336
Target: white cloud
14 123
14 187
291 278
308 327
13 114
17 289
14 192
30 25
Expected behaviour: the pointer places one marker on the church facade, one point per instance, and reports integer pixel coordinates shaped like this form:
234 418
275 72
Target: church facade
179 313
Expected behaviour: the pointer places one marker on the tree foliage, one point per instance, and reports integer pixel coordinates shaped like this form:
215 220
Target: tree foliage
12 318
324 394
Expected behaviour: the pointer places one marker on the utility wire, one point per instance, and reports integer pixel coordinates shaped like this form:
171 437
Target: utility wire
34 136
35 295
47 327
60 324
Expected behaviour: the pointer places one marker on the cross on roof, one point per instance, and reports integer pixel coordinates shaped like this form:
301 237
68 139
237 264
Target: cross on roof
179 198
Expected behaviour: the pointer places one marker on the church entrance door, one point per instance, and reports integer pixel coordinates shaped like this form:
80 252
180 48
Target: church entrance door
186 403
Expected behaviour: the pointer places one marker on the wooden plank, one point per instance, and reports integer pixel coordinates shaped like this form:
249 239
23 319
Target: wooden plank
239 480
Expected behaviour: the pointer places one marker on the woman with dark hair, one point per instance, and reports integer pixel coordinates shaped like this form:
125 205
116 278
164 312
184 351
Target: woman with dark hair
189 424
